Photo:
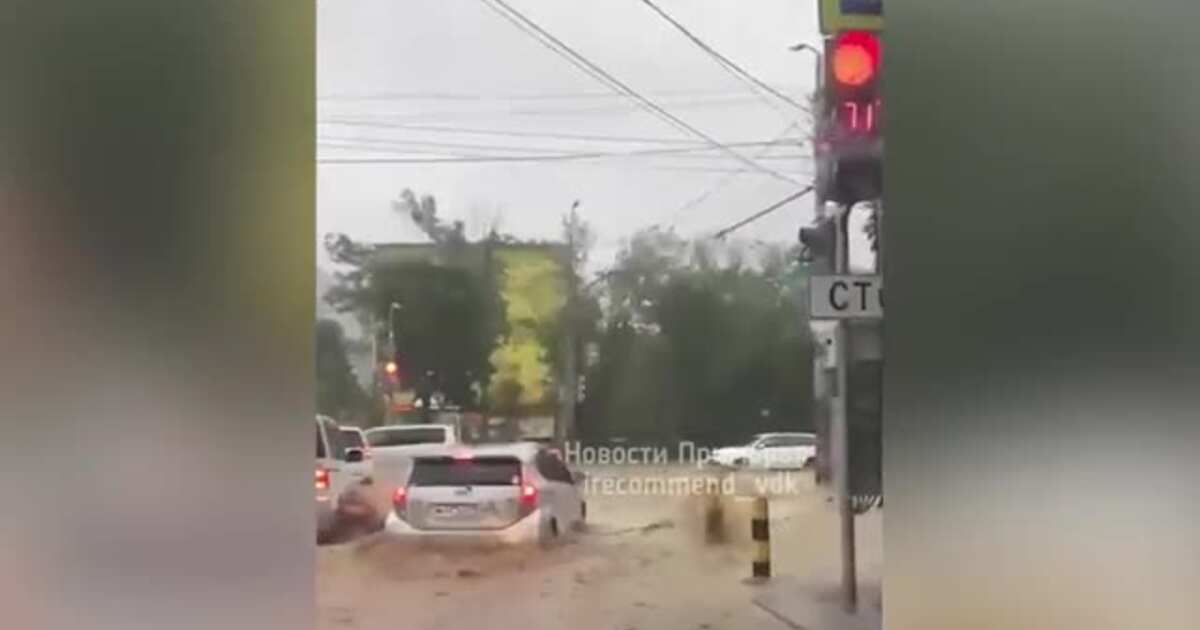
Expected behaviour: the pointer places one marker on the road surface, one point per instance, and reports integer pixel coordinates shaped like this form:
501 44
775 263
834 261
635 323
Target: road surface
644 563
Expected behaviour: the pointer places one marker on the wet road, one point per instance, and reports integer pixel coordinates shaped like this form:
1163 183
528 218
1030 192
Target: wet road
644 563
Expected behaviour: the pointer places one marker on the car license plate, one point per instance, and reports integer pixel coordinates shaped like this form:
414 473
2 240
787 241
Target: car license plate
452 511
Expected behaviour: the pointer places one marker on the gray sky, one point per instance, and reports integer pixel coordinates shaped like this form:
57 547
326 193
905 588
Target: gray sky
391 67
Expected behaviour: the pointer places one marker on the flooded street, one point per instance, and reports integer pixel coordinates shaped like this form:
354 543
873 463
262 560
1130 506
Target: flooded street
644 562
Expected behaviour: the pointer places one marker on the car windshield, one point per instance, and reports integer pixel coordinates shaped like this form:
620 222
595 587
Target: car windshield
480 471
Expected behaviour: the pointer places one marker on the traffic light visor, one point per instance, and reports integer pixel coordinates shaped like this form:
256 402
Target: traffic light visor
856 57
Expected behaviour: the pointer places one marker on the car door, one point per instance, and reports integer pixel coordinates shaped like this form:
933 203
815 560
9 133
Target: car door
357 471
765 453
559 491
335 460
571 494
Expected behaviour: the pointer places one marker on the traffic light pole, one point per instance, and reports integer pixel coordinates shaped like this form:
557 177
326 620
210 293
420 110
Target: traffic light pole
840 426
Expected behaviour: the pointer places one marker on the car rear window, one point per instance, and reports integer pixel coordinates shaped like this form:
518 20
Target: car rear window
320 444
352 439
406 437
480 471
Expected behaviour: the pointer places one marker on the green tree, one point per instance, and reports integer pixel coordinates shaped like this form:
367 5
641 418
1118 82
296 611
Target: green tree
338 393
715 336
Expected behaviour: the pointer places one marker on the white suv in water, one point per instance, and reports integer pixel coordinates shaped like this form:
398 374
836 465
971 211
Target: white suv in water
507 493
770 451
332 476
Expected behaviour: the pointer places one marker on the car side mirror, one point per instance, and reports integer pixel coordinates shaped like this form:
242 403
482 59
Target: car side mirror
354 455
759 446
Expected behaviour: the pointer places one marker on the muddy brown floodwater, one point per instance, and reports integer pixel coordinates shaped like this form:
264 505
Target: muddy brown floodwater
644 563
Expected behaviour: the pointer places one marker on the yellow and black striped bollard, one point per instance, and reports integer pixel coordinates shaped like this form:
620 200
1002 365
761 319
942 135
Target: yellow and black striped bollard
760 532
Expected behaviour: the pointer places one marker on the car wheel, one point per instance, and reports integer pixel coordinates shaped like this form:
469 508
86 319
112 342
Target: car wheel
740 462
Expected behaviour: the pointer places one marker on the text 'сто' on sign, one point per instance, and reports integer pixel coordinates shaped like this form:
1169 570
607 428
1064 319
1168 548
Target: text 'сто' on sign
845 297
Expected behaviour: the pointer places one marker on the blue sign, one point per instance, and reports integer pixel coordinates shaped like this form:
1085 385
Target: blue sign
862 7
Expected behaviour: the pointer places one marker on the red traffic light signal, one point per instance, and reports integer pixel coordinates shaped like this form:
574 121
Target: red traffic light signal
854 70
856 58
852 124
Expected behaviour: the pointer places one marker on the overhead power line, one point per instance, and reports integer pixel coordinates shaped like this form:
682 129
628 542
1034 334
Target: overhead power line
404 142
588 67
582 155
724 61
698 199
762 213
504 132
550 96
461 110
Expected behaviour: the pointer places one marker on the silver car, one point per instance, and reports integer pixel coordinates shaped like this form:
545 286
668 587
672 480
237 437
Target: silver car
515 493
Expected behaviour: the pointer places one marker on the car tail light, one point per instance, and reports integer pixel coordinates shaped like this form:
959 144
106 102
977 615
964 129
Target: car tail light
322 481
529 498
400 501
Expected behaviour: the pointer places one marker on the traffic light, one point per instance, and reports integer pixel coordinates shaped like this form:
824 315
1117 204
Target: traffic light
820 244
852 136
393 372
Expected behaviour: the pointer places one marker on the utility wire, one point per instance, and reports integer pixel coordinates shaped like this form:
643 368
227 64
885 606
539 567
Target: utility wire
725 62
399 144
504 132
607 79
724 181
553 157
761 213
552 96
453 111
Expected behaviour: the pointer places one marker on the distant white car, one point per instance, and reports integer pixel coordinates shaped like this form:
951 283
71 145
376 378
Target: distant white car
770 451
410 438
393 447
512 493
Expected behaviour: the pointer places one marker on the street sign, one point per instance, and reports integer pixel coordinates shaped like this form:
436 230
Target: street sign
845 297
851 15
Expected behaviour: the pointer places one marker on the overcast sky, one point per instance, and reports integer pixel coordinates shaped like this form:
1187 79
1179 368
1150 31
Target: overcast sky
424 79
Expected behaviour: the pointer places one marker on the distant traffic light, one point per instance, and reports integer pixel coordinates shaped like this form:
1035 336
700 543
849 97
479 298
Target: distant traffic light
393 371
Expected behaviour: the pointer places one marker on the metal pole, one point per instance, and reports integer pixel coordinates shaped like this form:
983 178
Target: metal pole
376 391
840 430
392 308
566 428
